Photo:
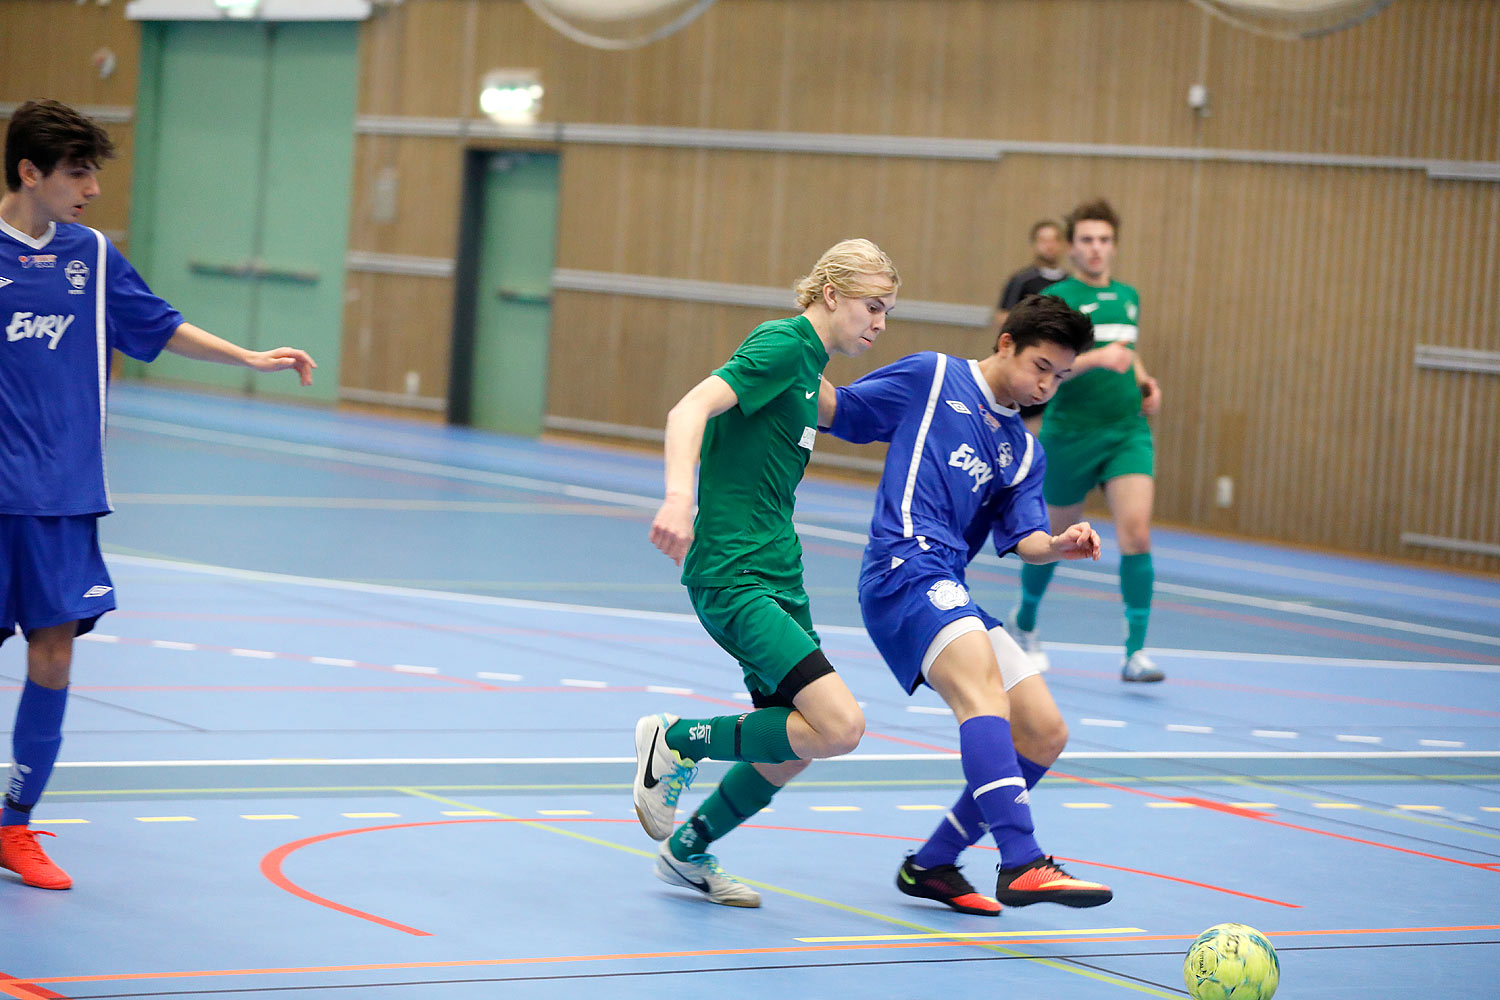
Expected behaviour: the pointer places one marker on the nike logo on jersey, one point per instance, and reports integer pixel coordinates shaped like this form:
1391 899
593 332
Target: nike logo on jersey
24 325
648 779
810 395
964 458
1088 307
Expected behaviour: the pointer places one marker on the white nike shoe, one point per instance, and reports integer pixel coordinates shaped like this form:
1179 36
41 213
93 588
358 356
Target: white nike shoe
1141 668
702 872
661 776
1030 643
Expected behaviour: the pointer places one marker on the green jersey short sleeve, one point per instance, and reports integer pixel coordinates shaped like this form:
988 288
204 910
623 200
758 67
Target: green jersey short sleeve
1098 398
753 457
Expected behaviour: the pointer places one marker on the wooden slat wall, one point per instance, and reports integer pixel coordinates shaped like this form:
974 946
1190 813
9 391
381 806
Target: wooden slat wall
46 48
1282 303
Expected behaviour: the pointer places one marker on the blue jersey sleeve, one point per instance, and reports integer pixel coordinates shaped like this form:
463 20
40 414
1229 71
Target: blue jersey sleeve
1022 511
871 407
139 322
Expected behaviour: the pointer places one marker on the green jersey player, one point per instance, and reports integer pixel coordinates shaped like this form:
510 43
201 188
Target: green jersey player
1095 433
753 423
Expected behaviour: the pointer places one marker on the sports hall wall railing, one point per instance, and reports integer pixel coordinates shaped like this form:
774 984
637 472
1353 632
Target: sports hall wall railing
1302 250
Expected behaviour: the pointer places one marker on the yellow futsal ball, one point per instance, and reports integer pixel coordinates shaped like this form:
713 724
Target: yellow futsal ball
1231 962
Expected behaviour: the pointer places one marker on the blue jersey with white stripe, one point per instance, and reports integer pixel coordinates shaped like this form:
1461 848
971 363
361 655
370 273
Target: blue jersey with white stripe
960 466
66 300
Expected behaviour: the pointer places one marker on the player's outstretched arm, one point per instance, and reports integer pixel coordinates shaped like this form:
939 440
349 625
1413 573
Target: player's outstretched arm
1114 355
1150 390
1077 541
197 343
672 528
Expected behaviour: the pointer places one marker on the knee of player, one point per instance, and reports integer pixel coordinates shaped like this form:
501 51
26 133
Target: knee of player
1135 538
845 732
1054 738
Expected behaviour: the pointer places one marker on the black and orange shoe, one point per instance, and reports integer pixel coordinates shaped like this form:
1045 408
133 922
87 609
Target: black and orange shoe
944 884
1044 881
20 852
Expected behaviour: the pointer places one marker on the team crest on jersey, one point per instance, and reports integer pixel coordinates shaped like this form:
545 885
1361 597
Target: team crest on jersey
990 420
946 595
958 407
1131 309
38 260
77 273
1006 456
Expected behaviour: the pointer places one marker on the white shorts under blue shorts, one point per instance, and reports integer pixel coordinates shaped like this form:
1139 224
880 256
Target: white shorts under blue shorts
914 610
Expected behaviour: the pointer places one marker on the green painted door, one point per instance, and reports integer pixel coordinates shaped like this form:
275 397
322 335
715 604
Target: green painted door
241 210
513 314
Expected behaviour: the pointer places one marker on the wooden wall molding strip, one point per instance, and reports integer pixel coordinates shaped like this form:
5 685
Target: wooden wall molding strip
397 263
110 114
925 147
755 296
357 395
1450 544
1457 359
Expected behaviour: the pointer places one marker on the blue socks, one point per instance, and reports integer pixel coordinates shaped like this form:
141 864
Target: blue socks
965 823
34 745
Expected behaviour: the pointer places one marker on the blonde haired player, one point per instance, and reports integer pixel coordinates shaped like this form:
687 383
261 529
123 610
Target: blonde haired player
752 424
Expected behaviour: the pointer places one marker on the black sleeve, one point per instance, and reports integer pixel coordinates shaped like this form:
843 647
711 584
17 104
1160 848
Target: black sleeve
1014 291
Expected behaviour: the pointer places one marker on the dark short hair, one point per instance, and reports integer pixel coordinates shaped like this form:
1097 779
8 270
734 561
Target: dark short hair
1097 210
1037 227
48 133
1045 318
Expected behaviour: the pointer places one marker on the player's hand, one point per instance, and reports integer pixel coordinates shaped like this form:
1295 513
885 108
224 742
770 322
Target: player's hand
283 358
672 528
1150 396
1115 356
1078 541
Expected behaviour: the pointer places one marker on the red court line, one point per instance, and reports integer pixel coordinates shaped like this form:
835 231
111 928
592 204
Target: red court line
710 953
270 865
24 989
1262 817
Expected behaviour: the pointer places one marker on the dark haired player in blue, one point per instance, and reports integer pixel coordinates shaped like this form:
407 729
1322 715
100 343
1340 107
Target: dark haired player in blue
962 468
68 299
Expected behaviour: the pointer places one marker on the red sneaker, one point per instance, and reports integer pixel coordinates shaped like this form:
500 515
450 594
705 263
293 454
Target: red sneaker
20 852
944 884
1044 881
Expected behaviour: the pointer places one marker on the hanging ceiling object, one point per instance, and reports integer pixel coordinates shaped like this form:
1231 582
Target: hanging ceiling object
618 24
1294 19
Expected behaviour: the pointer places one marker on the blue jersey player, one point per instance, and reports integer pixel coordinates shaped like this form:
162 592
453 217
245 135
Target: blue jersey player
961 469
68 299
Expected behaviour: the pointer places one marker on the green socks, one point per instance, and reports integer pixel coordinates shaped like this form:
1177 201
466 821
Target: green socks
758 736
1034 580
1137 578
742 794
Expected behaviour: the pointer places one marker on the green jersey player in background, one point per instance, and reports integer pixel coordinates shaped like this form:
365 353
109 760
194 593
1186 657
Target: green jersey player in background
1095 432
752 423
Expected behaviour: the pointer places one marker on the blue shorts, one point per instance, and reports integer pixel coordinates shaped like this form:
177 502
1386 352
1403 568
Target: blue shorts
51 573
907 606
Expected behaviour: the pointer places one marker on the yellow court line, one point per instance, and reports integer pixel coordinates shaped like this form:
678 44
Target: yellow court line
1422 808
1170 805
56 822
966 935
997 948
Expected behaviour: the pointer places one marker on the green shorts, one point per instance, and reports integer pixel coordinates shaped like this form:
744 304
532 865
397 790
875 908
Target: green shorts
1076 463
768 631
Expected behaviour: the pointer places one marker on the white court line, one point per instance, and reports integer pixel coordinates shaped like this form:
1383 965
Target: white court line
1106 723
853 758
486 600
817 531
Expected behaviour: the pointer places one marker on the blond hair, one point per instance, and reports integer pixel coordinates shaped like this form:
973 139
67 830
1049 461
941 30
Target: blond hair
855 268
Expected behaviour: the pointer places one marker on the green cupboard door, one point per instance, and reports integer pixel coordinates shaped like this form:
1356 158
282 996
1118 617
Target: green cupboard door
513 314
209 112
305 204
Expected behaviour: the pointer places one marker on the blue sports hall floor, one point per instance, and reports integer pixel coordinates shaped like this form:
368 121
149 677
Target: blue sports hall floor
362 727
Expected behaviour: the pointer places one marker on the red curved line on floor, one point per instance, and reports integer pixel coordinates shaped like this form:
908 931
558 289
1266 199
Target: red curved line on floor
270 865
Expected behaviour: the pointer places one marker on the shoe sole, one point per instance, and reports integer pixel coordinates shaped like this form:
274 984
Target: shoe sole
644 730
39 885
1077 900
668 875
1143 680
